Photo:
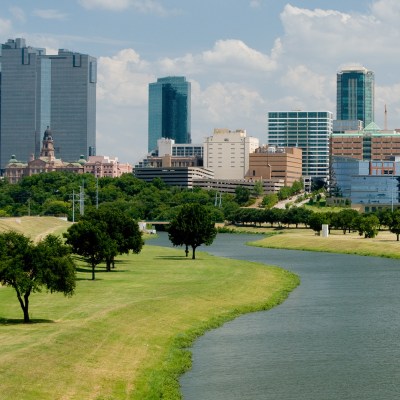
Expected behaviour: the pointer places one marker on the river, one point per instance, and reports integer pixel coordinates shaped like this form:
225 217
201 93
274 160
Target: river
337 336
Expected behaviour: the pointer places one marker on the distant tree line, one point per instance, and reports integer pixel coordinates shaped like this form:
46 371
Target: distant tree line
346 220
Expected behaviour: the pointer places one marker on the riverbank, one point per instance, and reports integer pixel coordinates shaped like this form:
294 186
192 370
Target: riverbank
383 245
126 334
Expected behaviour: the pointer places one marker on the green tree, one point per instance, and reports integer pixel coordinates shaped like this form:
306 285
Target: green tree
193 226
121 229
316 220
258 188
367 225
29 267
90 241
269 200
242 195
345 220
394 226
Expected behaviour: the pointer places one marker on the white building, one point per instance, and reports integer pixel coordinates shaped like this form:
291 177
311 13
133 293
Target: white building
227 153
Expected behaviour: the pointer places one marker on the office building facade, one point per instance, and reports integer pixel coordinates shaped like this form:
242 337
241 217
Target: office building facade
40 91
227 153
169 110
355 95
25 100
371 143
73 104
308 130
369 185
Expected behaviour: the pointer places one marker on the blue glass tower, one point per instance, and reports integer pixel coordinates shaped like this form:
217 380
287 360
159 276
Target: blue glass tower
169 110
355 95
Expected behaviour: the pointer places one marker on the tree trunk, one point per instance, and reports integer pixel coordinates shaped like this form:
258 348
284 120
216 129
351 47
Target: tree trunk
93 267
108 265
24 303
194 253
186 250
398 234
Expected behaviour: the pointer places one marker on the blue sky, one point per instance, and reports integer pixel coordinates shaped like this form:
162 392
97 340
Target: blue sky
243 57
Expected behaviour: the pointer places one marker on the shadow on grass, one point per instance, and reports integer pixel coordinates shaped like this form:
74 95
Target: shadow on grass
180 258
13 321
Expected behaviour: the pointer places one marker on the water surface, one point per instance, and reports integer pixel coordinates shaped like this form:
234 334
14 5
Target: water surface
337 336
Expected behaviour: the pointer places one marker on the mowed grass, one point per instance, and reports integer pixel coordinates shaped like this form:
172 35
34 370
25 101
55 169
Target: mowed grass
121 336
34 227
383 245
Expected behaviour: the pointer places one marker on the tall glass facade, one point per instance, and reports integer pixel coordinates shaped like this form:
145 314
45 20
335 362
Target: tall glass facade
355 95
38 91
308 130
169 110
73 105
25 100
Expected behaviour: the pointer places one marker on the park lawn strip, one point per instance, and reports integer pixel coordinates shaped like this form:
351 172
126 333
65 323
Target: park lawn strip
124 335
383 245
34 227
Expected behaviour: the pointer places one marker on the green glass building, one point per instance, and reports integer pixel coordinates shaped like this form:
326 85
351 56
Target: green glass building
355 95
169 110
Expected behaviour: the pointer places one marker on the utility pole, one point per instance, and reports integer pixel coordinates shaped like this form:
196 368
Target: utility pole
82 199
97 192
73 205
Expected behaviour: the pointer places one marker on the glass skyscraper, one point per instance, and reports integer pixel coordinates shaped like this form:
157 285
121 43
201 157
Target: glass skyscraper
25 100
169 111
308 130
73 104
355 95
38 91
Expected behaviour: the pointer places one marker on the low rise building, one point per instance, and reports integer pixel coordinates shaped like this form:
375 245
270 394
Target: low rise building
47 162
371 143
101 166
174 176
271 162
368 184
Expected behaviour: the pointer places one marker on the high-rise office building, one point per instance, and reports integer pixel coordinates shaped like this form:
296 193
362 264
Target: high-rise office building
308 130
355 95
73 104
40 91
25 100
169 110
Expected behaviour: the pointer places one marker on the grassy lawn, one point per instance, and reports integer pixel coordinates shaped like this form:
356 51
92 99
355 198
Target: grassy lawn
34 227
124 335
383 245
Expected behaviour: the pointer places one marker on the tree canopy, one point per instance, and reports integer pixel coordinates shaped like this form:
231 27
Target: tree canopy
29 267
193 226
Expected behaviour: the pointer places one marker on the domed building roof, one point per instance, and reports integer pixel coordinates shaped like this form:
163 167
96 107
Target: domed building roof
82 160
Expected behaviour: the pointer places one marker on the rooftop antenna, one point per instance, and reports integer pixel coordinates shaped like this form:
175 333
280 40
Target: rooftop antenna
385 118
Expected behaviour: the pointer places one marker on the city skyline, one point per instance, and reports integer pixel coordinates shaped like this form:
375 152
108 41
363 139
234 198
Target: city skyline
243 59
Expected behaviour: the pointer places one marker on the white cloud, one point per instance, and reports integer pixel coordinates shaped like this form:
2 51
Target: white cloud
123 79
18 13
226 57
5 26
49 14
143 6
